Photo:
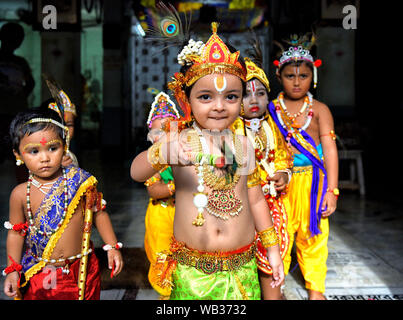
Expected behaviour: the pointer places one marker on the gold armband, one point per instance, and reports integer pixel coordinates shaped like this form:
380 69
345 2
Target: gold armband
154 156
254 178
268 237
331 134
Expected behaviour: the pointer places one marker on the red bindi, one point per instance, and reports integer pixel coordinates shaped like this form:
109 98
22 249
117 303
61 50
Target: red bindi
43 141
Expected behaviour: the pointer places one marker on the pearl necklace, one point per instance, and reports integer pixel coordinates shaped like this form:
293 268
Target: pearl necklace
43 187
29 211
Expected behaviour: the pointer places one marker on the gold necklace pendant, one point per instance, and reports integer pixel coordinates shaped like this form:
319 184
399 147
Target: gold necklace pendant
223 204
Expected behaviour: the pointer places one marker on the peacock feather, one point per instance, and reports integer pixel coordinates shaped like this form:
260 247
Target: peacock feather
167 28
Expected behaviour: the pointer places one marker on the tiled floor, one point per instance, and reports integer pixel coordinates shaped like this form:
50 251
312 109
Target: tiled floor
365 245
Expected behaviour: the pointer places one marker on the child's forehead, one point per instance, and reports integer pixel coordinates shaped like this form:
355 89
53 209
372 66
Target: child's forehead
256 82
48 134
302 66
208 80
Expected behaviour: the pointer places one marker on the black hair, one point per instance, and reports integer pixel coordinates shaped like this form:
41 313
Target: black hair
13 32
19 127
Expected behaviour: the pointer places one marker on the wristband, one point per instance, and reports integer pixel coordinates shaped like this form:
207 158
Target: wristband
22 228
11 268
335 192
116 246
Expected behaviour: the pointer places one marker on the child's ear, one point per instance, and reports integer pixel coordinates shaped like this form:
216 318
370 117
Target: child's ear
278 74
16 153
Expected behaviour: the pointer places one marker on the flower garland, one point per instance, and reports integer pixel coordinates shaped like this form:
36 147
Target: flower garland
192 48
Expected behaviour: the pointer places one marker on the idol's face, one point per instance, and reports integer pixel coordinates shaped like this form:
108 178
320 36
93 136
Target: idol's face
256 99
215 100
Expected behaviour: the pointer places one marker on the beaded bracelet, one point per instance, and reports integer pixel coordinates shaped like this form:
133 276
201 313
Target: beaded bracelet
217 161
335 192
268 237
108 247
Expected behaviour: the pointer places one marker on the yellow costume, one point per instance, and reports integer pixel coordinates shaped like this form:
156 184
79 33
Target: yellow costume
303 203
159 231
160 213
272 155
312 252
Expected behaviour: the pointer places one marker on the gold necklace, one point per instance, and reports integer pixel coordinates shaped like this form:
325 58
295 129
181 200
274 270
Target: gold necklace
222 201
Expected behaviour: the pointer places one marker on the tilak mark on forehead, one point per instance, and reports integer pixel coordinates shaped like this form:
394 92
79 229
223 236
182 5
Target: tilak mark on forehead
43 141
220 83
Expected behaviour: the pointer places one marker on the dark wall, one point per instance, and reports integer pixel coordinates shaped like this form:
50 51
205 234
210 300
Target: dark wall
379 98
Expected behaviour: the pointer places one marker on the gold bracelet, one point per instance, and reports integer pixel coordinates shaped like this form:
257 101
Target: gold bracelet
254 178
154 156
151 181
268 237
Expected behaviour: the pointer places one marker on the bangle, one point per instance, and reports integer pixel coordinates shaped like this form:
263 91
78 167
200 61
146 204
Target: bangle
151 181
11 268
288 172
108 247
335 192
268 237
171 187
154 156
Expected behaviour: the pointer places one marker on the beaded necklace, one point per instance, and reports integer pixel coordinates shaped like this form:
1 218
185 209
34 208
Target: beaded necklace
29 211
221 201
269 147
289 123
43 187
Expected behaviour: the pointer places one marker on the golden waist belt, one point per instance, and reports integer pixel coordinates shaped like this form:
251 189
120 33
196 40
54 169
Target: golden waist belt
210 262
302 169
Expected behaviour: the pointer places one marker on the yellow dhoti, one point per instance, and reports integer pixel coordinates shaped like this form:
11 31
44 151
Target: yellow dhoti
159 231
312 252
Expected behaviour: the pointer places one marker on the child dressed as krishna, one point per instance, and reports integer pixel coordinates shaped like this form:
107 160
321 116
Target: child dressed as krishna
50 255
307 125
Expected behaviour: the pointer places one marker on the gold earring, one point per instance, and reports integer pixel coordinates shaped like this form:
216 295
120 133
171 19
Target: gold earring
242 112
18 161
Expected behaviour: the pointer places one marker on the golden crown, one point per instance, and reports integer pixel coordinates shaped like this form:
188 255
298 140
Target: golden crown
253 71
212 57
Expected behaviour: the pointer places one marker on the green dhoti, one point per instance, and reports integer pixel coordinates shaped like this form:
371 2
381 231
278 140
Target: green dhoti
240 284
200 275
